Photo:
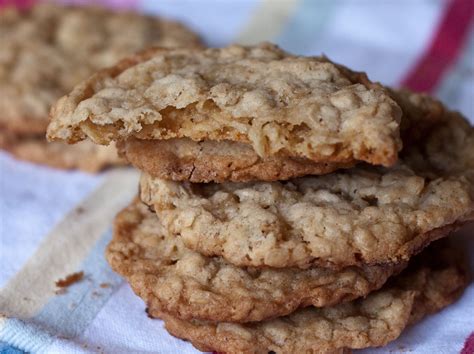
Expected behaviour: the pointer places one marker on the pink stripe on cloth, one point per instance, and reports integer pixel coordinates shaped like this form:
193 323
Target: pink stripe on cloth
22 4
119 4
445 47
468 345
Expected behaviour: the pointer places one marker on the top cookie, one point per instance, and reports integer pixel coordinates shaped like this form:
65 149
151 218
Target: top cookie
206 161
278 103
48 49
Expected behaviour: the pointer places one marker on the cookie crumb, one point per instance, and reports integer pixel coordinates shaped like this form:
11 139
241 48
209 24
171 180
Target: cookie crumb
403 349
105 285
70 279
80 210
60 291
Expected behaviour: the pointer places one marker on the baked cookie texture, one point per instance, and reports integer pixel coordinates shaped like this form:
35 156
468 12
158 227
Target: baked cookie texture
49 48
431 283
218 161
85 156
363 215
173 279
278 103
215 161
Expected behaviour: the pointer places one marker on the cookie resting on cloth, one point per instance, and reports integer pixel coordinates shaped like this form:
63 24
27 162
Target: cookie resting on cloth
171 278
278 103
85 156
362 215
423 288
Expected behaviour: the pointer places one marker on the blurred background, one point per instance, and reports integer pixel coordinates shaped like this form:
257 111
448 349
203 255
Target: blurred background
426 45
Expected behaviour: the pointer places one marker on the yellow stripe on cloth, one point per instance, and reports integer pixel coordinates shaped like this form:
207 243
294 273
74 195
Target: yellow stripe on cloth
267 22
67 245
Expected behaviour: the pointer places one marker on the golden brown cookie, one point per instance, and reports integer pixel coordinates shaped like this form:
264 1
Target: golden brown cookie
363 215
215 161
219 161
171 278
425 287
49 48
85 156
280 104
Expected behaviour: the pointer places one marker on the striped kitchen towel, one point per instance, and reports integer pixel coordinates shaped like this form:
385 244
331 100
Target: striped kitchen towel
54 223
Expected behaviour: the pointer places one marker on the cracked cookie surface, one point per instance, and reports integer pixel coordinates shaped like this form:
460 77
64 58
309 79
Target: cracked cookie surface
433 282
49 48
306 107
219 161
363 215
171 278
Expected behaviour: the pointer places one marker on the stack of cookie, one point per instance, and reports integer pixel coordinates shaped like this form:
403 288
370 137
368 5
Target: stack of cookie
278 196
49 48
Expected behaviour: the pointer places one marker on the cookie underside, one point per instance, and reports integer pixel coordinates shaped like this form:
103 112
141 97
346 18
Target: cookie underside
213 161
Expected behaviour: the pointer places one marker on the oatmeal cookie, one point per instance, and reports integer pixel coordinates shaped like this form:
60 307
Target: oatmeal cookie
278 103
85 156
49 48
215 161
171 278
363 215
424 288
219 161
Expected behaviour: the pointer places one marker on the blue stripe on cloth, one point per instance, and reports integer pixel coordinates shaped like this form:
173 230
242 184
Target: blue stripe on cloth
451 88
25 336
8 349
305 25
67 315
